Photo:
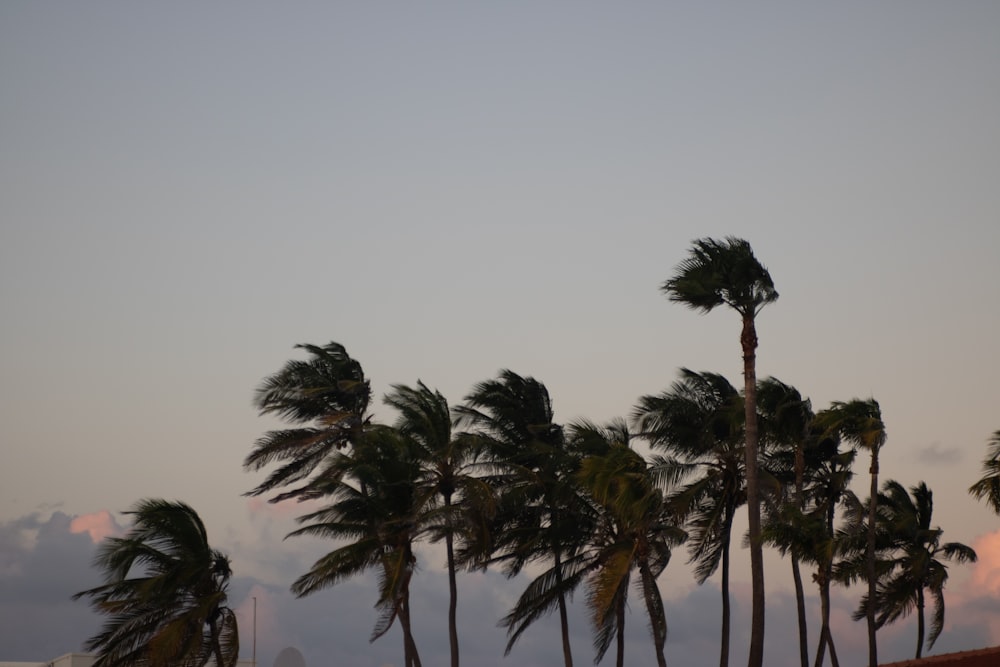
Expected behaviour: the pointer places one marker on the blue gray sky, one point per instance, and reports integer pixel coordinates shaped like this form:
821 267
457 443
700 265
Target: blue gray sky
452 188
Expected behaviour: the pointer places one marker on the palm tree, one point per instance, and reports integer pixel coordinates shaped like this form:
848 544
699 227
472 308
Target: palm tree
330 396
727 273
375 506
989 486
785 420
859 422
699 421
445 457
164 592
635 531
540 514
914 567
808 531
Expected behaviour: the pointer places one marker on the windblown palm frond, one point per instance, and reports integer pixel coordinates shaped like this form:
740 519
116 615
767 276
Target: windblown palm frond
329 396
164 593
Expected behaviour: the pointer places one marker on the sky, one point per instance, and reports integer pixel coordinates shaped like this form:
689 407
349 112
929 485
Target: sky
448 189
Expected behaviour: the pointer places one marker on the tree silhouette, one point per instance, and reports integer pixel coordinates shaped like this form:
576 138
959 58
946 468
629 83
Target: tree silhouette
164 592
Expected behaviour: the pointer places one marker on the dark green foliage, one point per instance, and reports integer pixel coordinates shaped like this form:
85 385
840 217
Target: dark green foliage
327 393
911 563
164 593
988 487
721 272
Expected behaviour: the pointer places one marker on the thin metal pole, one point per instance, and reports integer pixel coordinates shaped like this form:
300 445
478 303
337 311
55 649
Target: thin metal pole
255 631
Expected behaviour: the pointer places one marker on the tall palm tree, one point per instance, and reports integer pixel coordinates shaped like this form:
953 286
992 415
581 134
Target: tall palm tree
375 509
635 531
699 421
164 592
445 458
859 422
540 513
915 566
988 486
785 421
329 396
727 273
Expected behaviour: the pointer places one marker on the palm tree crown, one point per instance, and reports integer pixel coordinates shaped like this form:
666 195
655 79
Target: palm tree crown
174 611
329 395
719 273
988 487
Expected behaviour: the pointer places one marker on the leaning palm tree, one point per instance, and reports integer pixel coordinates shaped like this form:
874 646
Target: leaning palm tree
446 460
635 531
328 397
375 509
785 420
727 273
988 486
698 422
859 422
540 514
915 566
164 592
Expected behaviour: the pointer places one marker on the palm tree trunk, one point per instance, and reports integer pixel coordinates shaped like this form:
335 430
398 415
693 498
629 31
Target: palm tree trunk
449 543
563 615
825 635
920 622
410 655
870 560
800 605
834 662
620 649
659 634
748 339
726 607
824 629
800 596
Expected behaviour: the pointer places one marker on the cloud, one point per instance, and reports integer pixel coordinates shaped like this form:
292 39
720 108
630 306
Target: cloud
98 525
44 561
986 571
936 454
42 564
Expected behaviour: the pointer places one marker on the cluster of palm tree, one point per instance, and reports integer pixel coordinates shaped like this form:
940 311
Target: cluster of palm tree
503 485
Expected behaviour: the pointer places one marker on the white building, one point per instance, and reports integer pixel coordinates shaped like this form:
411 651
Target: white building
82 660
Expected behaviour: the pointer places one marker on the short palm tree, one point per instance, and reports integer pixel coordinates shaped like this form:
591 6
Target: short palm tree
540 514
785 420
635 531
726 272
375 511
988 487
698 422
328 396
916 565
859 422
809 531
164 592
446 461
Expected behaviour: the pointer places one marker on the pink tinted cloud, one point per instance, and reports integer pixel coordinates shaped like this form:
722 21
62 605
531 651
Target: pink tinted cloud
986 571
98 525
984 582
